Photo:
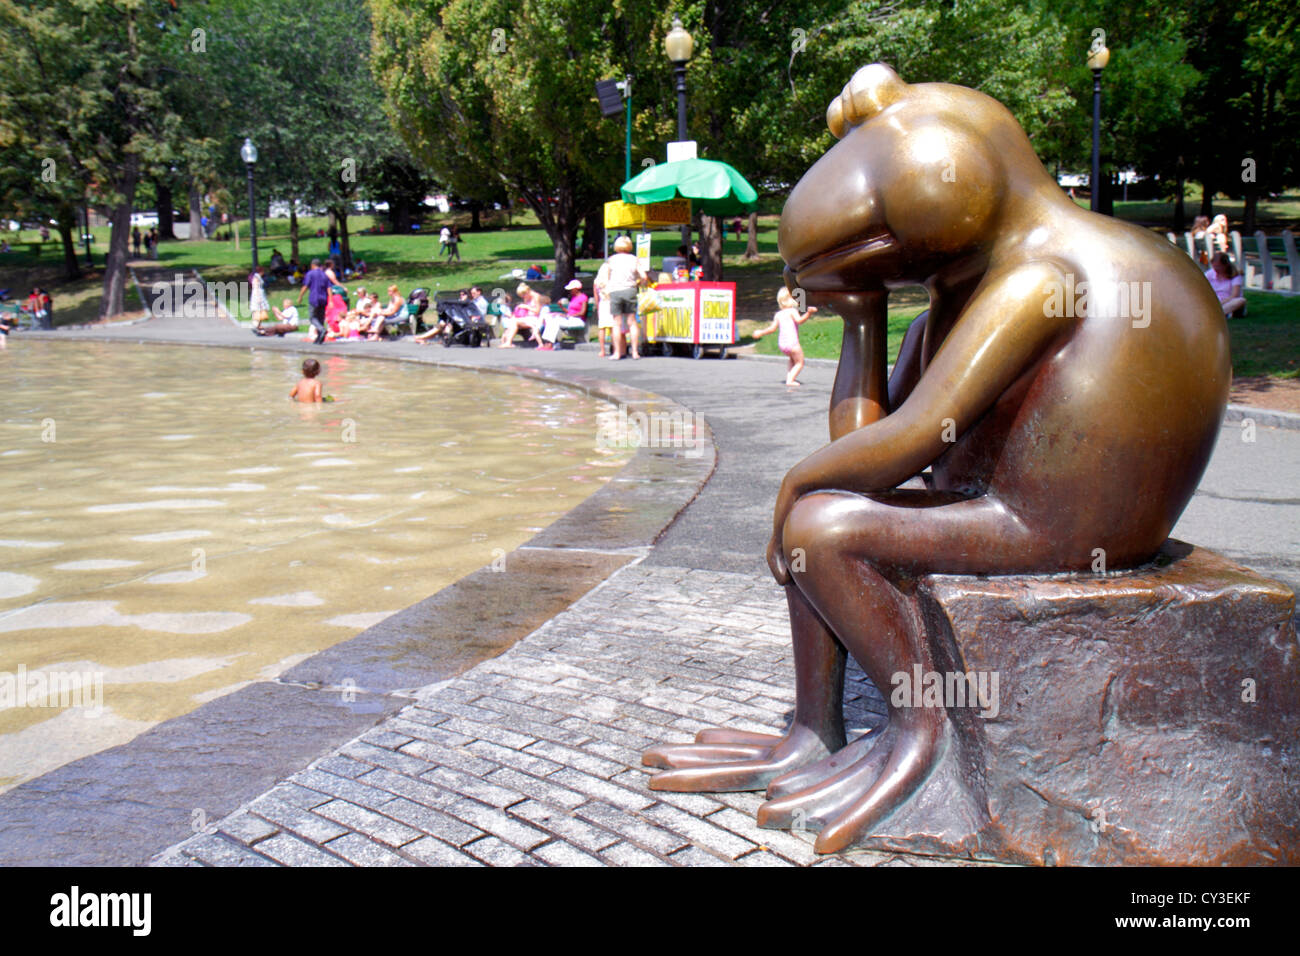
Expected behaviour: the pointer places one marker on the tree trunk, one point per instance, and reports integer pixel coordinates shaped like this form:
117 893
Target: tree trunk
1107 205
475 222
1207 200
593 225
112 302
67 219
565 256
345 245
1180 208
165 228
293 229
196 212
711 248
751 240
1248 214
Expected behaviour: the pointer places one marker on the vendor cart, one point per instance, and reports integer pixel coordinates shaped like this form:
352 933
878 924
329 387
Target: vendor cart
693 317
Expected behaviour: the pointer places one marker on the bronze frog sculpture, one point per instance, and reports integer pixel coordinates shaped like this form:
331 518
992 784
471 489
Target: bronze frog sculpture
1055 407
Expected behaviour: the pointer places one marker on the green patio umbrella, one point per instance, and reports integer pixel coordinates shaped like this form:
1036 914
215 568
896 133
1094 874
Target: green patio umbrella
713 188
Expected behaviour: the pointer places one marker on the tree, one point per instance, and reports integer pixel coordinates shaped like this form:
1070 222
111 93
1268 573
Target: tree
500 94
79 88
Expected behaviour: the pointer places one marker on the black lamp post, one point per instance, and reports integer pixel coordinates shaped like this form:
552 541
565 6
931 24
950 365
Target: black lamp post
1098 57
248 153
680 45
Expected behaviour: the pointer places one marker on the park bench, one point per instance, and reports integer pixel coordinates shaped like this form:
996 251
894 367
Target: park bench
1265 271
1266 265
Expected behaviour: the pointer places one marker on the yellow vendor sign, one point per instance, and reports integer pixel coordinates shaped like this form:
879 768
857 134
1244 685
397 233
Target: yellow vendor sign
655 215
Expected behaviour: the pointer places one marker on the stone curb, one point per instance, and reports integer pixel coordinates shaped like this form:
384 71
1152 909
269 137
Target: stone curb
1262 416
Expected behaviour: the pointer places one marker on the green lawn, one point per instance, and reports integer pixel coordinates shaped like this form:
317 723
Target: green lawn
1271 214
1266 342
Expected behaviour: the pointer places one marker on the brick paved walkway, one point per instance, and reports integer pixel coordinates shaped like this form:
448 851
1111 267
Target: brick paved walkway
534 757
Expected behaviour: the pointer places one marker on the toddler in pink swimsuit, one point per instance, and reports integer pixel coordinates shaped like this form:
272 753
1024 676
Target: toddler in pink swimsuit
787 321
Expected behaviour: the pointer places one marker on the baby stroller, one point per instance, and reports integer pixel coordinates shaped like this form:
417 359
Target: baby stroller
464 324
417 303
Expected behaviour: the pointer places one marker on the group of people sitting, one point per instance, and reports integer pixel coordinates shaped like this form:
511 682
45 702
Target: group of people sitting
530 314
534 317
293 272
39 306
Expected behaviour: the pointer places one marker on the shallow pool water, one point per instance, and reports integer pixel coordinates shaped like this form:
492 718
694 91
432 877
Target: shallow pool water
173 527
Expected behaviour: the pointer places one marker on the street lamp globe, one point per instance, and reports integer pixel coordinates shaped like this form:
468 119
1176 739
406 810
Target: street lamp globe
248 152
679 44
1098 57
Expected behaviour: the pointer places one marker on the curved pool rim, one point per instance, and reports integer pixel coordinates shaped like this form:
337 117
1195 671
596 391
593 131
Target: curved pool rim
123 805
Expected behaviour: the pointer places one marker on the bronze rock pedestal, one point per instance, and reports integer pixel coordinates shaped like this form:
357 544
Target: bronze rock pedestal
1142 717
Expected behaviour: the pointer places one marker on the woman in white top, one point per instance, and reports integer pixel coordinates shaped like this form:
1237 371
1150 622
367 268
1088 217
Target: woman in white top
624 277
605 322
258 304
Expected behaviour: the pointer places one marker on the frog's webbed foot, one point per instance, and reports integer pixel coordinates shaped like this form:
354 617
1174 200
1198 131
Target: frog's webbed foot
849 792
723 760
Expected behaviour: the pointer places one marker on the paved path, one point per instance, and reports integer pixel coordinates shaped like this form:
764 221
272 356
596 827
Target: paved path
533 757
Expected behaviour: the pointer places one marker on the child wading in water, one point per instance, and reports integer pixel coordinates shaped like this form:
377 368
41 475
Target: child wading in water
787 320
308 389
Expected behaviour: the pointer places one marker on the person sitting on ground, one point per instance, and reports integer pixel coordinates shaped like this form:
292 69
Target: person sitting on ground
526 316
286 321
296 272
381 314
1226 282
279 268
308 389
535 272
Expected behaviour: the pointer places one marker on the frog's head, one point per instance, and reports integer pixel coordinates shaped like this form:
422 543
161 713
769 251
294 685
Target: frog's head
917 181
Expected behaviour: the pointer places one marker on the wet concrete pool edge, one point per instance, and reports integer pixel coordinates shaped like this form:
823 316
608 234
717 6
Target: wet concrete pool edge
123 805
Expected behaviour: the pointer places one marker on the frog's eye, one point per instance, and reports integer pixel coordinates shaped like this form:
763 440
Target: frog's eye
872 89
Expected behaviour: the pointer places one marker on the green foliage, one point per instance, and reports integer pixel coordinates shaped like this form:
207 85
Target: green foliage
498 95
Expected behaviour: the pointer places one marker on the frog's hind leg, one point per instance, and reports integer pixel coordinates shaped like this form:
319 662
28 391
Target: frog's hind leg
855 549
